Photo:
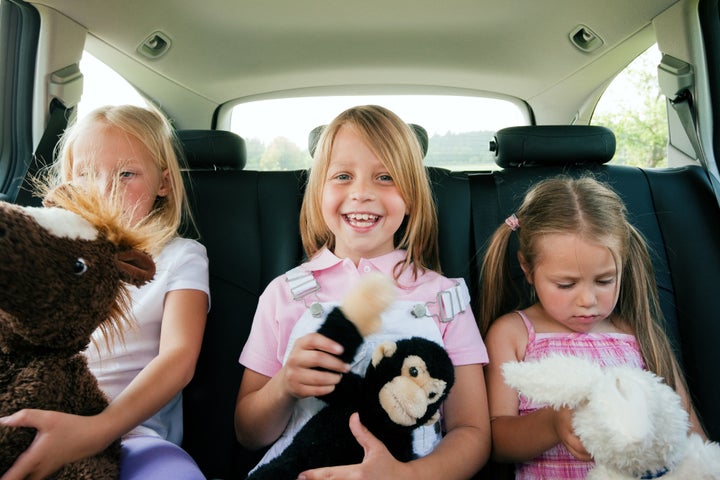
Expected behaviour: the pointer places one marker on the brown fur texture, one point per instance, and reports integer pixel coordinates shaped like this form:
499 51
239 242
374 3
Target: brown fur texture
55 290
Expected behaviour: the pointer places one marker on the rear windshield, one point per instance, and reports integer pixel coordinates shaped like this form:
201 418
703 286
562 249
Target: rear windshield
459 127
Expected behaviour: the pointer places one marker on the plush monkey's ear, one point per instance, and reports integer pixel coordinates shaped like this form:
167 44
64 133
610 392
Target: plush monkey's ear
385 349
135 267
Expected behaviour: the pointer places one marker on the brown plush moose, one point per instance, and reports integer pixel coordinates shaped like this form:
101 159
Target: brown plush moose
63 274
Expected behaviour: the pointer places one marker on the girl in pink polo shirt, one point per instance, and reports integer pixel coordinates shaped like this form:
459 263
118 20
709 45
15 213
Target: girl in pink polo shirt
367 208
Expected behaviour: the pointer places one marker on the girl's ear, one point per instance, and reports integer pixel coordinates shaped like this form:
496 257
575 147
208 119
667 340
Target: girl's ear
525 267
164 188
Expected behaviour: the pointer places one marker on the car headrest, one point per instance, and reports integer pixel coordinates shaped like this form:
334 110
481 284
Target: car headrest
420 133
543 145
212 149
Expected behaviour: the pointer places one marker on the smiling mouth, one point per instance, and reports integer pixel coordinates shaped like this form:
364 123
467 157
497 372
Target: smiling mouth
361 220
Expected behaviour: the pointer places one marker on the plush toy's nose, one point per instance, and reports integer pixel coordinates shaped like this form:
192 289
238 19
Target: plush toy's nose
404 401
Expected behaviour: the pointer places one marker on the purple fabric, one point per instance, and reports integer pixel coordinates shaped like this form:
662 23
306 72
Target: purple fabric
152 458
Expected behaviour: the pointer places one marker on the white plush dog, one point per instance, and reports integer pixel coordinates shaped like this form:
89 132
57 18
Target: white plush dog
631 422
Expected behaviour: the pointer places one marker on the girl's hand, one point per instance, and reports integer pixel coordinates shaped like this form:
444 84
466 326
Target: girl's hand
312 368
265 404
378 463
61 438
564 430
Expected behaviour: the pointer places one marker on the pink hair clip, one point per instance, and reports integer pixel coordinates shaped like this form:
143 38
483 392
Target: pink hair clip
512 222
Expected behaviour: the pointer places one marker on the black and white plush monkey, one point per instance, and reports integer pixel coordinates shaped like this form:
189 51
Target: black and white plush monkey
403 388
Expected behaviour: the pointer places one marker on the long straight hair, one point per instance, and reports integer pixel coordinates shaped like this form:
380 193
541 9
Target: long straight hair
592 210
397 147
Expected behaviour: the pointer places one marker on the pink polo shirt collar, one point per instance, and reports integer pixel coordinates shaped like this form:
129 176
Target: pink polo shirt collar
326 259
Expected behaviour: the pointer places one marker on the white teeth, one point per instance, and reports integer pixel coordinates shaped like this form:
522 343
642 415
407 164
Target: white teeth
362 219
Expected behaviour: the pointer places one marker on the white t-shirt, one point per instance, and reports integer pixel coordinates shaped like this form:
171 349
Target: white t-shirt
182 264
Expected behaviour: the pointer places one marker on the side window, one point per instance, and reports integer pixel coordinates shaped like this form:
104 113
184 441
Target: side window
634 109
103 86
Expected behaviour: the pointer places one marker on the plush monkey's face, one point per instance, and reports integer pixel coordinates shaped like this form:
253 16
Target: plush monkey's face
406 397
417 376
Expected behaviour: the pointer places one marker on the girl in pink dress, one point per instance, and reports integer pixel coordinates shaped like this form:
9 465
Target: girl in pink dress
595 296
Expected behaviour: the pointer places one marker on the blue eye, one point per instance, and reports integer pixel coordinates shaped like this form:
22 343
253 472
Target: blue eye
80 267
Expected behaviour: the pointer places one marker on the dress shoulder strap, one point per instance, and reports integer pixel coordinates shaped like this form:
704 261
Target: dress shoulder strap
528 325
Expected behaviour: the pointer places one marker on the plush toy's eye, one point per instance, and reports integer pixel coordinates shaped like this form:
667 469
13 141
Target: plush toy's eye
432 395
413 371
80 267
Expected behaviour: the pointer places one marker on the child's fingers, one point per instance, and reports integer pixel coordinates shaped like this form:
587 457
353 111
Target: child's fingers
377 461
317 341
317 351
363 436
304 381
23 418
576 448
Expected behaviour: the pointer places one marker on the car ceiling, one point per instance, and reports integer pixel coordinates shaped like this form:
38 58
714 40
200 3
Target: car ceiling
224 50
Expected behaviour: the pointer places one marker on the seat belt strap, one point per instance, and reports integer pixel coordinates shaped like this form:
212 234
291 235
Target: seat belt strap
43 156
683 106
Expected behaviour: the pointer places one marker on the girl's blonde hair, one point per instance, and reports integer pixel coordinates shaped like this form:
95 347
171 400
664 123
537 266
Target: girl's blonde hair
397 147
592 210
157 135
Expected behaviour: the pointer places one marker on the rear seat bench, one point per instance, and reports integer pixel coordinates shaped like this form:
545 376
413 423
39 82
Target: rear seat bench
248 221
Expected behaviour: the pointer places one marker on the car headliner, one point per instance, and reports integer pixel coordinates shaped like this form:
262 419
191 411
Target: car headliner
229 50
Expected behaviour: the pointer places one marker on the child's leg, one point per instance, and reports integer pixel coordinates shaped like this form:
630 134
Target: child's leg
147 458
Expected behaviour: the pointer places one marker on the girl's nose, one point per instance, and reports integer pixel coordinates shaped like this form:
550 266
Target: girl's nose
105 182
586 297
362 191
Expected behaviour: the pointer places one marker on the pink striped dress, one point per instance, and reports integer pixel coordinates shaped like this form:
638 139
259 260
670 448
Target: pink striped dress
605 349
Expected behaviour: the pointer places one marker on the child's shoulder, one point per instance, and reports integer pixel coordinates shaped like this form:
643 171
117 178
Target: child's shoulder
508 323
508 331
181 247
507 339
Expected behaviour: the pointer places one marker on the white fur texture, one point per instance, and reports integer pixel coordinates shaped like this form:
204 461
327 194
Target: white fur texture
63 223
628 419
